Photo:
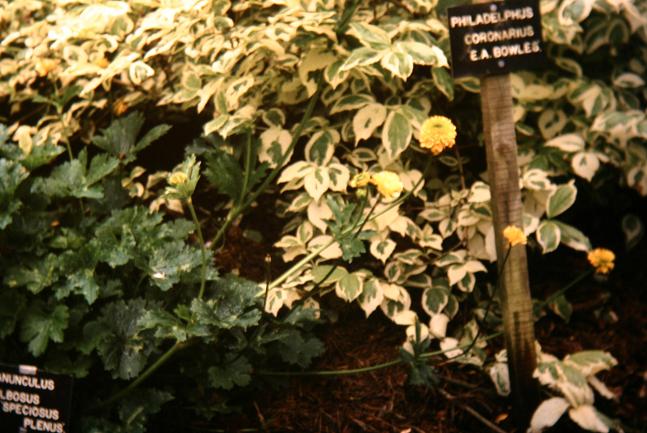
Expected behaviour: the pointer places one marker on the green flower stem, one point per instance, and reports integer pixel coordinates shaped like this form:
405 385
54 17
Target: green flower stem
561 291
298 265
236 210
367 369
248 164
142 377
203 247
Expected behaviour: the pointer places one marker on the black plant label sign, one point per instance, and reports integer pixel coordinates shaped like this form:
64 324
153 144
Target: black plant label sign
34 401
495 38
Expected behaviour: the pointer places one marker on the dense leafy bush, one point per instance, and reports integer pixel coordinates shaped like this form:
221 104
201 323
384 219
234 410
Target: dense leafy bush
295 99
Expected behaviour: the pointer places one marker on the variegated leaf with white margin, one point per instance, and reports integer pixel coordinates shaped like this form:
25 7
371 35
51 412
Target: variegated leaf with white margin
370 35
574 11
277 298
396 134
548 235
367 119
332 252
551 122
423 54
450 348
585 164
321 146
547 414
417 332
536 180
438 325
382 248
628 80
313 61
428 239
317 182
396 300
435 298
398 63
479 192
349 287
590 362
572 237
561 199
587 417
339 176
318 213
500 377
274 144
298 170
333 75
372 296
362 56
567 142
300 202
351 102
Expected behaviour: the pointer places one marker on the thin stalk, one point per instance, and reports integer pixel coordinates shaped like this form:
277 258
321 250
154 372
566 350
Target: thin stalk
142 377
203 248
248 165
367 369
235 211
561 291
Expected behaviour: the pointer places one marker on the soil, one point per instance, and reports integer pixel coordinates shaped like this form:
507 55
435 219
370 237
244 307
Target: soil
609 314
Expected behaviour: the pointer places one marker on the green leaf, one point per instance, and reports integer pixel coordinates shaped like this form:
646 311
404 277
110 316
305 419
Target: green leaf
118 339
370 36
165 325
434 299
101 166
224 172
398 63
561 199
236 371
83 283
562 308
332 274
294 348
169 262
572 237
349 287
12 175
39 326
35 275
443 82
396 134
351 102
548 236
12 304
361 57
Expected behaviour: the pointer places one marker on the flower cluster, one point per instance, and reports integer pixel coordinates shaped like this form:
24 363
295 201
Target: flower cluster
514 235
602 260
437 134
388 183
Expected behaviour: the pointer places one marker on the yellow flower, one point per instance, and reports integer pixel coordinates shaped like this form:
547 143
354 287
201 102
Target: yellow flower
437 133
45 66
119 108
177 178
515 236
388 184
602 260
101 62
360 180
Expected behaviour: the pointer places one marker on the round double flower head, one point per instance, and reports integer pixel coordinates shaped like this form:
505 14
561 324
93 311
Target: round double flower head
437 134
388 184
514 235
602 260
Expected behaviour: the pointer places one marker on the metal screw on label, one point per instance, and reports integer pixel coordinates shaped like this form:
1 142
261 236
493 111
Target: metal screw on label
501 63
493 8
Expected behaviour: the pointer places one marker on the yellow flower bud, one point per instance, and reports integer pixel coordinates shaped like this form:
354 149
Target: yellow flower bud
388 184
514 235
437 133
602 260
177 178
360 180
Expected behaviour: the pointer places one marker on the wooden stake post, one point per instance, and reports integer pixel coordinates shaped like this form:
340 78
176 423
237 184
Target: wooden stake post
473 53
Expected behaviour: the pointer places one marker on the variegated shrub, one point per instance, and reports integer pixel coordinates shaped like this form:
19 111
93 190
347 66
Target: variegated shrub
330 89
